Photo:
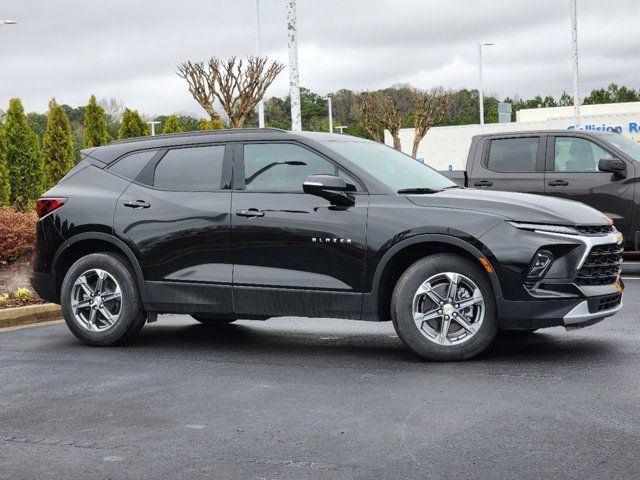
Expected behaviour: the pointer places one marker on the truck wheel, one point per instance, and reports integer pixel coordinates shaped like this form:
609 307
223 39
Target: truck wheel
443 308
213 320
100 300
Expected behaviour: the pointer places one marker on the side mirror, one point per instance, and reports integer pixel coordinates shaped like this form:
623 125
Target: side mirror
331 187
613 165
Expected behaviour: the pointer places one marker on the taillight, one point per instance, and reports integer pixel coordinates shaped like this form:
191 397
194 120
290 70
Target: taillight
48 205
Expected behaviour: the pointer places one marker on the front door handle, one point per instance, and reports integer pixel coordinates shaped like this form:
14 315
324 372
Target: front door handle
250 213
483 183
137 204
558 183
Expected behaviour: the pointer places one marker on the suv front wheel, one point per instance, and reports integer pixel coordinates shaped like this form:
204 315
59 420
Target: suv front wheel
443 308
100 300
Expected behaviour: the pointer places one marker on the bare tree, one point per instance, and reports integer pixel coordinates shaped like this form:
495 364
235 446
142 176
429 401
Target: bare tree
386 109
237 85
429 109
113 107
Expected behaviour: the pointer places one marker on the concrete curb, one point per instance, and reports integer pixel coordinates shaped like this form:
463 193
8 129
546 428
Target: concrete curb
10 317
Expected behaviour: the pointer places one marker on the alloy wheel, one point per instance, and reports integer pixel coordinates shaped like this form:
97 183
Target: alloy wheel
448 308
96 300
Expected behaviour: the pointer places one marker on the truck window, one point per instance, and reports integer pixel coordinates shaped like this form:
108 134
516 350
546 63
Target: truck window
513 155
574 154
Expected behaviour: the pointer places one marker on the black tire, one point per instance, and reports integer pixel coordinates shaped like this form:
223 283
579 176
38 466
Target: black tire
131 319
402 308
213 321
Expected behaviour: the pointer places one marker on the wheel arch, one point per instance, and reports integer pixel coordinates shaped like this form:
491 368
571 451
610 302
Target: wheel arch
83 244
399 257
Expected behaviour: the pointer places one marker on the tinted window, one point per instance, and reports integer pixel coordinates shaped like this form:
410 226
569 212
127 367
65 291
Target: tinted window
131 165
280 167
389 166
513 155
196 168
577 155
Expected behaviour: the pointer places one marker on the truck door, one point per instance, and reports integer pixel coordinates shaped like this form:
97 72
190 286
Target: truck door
510 163
572 164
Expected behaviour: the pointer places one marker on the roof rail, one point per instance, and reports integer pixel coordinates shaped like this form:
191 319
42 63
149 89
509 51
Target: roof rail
199 133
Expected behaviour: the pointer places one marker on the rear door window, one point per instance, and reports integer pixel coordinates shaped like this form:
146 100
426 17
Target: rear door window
513 155
190 169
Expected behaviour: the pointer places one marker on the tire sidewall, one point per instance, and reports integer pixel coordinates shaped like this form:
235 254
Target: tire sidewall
130 309
402 308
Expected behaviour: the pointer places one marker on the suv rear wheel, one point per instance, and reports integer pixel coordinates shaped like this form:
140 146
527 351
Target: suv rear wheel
443 308
100 300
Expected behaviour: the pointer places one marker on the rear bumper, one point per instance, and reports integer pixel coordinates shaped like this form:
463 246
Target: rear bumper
45 286
570 313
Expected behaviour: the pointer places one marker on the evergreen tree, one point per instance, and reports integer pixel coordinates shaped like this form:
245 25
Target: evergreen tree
58 149
172 125
5 188
95 125
211 124
23 158
132 125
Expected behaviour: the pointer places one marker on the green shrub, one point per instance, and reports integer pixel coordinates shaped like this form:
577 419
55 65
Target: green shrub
23 295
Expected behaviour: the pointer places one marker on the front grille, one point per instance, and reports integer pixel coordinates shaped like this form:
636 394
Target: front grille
602 266
609 302
595 229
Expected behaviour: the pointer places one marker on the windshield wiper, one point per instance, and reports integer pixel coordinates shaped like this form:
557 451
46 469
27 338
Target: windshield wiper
451 186
418 190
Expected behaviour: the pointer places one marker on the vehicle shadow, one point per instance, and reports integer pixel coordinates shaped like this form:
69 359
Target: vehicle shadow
357 342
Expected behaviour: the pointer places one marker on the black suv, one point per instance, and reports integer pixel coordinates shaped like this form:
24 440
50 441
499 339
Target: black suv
263 223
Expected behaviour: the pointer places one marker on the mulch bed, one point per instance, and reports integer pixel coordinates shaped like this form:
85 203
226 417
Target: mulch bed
13 277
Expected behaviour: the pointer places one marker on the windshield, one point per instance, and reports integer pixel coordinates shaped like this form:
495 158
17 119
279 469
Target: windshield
628 146
391 167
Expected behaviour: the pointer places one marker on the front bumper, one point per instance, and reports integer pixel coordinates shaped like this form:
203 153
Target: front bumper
570 313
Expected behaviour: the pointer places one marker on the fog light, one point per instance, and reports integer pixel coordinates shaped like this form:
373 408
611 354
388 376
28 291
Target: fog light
540 264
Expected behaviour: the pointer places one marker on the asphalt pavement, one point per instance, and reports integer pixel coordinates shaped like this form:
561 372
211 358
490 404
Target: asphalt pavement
297 398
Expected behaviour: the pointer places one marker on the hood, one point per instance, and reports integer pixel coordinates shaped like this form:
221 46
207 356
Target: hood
521 207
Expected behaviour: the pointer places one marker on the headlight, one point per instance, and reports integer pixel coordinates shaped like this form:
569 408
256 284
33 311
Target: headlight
545 228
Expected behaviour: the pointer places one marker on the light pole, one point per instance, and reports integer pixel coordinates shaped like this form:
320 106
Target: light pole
260 103
574 48
328 99
153 127
294 75
480 93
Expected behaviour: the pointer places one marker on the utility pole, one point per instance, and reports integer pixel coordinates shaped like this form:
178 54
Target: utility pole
261 102
153 127
294 76
330 113
480 91
574 48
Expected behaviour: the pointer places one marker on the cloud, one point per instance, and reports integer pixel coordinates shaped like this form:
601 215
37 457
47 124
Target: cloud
130 49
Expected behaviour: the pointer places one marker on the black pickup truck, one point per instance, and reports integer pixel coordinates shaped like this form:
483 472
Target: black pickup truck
599 169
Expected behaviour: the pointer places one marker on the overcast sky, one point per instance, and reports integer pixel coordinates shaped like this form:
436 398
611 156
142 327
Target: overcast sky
129 49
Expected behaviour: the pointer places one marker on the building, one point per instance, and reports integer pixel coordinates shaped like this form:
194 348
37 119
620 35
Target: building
446 148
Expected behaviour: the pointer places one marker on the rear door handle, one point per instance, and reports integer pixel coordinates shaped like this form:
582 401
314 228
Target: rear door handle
558 183
483 183
137 204
250 213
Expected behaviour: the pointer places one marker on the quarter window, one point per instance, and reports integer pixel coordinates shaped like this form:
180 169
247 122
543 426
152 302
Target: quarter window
190 169
574 154
282 167
131 165
513 155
